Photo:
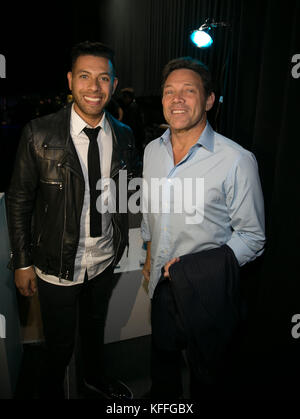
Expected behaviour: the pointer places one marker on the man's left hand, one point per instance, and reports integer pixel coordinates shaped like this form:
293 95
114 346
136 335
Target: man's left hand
167 266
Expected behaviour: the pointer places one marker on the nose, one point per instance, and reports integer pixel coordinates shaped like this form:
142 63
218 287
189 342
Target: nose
178 97
95 85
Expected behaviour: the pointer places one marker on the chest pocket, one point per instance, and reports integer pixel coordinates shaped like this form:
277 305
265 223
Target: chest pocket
51 171
52 152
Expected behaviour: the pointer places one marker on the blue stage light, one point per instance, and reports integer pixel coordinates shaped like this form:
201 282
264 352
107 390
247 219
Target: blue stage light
201 38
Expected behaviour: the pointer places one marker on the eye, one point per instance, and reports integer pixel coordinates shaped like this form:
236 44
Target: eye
105 78
168 92
83 76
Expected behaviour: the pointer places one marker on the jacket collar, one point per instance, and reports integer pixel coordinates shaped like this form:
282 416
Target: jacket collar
77 124
70 157
119 143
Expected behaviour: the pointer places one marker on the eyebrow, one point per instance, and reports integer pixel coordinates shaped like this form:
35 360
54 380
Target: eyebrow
101 74
185 84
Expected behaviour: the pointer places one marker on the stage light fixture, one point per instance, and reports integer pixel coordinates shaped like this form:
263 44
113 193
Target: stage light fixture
203 37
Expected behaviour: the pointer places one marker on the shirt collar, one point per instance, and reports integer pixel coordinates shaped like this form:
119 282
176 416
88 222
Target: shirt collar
206 139
78 124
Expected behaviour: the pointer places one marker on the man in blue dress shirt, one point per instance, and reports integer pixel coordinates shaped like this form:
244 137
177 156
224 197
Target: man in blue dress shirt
210 192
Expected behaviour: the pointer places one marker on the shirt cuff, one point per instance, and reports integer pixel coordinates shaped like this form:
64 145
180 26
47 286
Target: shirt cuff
145 233
242 252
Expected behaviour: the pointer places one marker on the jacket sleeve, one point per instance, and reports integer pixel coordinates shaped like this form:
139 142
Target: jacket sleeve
145 225
21 200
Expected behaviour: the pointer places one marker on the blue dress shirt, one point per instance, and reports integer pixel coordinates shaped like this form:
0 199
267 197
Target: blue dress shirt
221 201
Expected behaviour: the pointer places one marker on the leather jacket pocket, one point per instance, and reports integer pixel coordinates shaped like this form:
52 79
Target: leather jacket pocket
57 183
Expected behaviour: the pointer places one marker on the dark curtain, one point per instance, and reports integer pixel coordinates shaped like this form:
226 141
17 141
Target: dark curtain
262 114
146 34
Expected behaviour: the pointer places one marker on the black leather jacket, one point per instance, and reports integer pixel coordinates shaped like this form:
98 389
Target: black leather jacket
45 197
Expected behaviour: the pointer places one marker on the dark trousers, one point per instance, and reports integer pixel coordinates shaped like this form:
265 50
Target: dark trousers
64 310
168 341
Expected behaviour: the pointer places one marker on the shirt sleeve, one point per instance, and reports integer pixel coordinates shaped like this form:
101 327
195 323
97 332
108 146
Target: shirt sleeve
145 231
145 226
245 205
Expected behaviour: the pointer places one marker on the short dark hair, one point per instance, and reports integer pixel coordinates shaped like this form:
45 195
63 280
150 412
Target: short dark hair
191 64
92 48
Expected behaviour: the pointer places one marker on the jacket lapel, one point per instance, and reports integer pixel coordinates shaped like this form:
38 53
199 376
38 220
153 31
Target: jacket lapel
117 162
70 158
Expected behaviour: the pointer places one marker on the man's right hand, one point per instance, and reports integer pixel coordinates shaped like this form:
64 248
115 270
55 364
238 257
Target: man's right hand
146 270
25 280
147 265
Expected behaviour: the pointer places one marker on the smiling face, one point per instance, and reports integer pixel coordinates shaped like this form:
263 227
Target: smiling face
184 101
92 84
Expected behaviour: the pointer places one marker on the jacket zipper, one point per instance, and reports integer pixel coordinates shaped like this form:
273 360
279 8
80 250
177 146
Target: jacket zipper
40 235
114 222
117 171
62 238
119 242
53 182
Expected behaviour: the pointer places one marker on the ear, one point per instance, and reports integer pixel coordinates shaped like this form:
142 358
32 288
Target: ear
115 84
69 77
210 101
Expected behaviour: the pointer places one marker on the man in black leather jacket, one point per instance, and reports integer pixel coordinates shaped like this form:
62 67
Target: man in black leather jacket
49 208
